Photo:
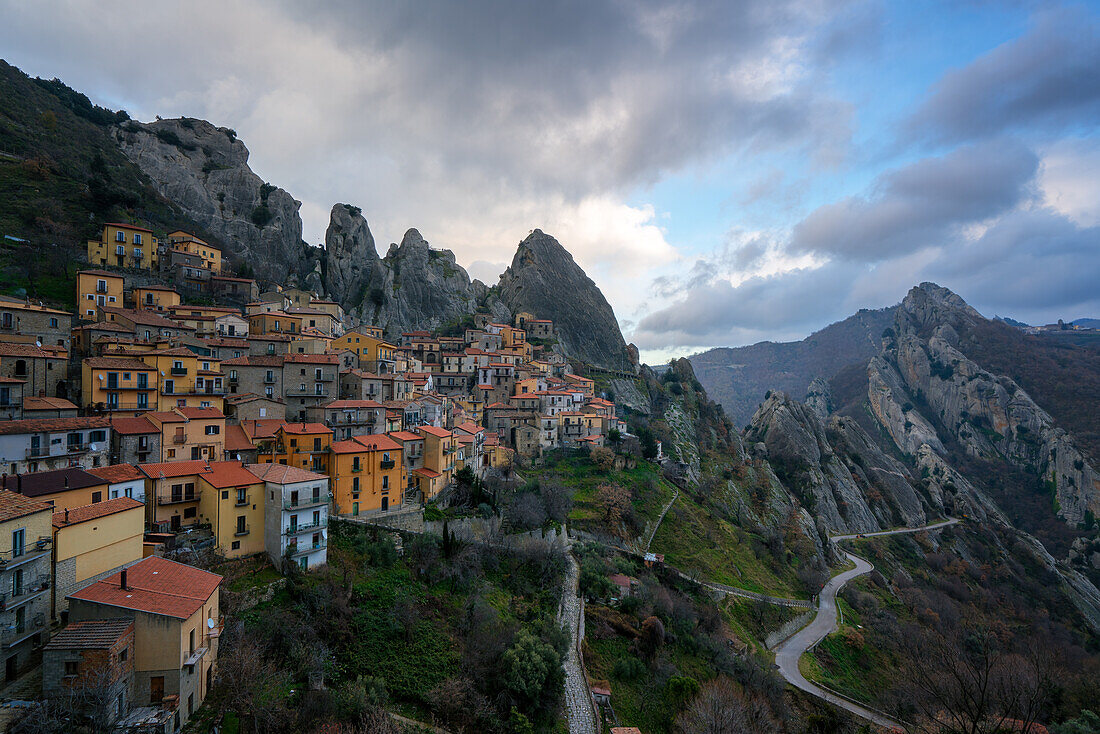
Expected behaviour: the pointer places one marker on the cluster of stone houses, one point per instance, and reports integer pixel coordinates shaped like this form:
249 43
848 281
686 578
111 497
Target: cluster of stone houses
141 425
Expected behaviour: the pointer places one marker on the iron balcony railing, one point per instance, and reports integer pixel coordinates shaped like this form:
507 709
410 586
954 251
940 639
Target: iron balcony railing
385 465
308 501
175 499
241 531
306 527
11 636
178 371
29 552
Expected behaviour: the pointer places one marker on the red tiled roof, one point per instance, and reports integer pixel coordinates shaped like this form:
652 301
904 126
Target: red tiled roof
116 473
438 432
300 428
237 440
260 360
262 427
118 363
43 425
32 403
156 586
93 634
405 436
14 505
100 509
134 426
16 349
313 358
281 474
127 226
378 442
225 474
427 473
469 427
172 469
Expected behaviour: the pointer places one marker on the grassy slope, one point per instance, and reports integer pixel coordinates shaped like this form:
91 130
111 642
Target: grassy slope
61 177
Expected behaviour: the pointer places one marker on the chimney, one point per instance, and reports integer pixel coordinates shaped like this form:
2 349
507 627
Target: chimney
66 481
66 515
19 483
122 584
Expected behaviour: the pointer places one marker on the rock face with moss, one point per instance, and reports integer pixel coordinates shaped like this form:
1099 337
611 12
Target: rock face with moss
923 376
204 170
422 288
544 280
353 272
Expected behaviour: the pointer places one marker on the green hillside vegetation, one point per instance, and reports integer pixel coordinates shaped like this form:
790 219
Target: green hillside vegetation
464 634
657 648
933 605
61 177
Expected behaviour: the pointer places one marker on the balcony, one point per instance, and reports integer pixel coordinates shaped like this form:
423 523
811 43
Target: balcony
324 377
31 552
387 465
30 591
12 637
241 531
101 288
179 440
241 501
176 499
311 501
178 371
297 549
306 528
35 452
269 379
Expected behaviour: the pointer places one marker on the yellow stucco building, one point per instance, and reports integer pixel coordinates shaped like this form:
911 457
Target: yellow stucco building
94 541
95 288
124 246
231 499
367 474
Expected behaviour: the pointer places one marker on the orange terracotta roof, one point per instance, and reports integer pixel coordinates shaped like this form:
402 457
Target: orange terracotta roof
134 426
100 509
93 634
225 474
300 428
116 473
438 432
378 442
43 425
237 440
405 436
14 505
32 403
424 472
172 469
118 363
280 474
262 427
156 586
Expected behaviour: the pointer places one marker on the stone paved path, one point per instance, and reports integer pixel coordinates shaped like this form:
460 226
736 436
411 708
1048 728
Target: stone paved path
578 701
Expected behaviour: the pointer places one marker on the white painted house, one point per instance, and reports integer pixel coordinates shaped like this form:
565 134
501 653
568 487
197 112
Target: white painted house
296 505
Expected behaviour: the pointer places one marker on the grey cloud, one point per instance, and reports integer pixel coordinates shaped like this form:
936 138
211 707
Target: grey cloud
920 205
1046 79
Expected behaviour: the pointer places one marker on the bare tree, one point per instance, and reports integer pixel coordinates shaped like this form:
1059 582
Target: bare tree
970 684
720 708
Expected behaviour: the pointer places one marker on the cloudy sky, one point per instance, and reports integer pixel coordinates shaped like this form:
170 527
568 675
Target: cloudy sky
726 172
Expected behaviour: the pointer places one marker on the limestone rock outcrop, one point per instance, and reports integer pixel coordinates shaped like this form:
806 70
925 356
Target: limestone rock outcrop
544 280
204 170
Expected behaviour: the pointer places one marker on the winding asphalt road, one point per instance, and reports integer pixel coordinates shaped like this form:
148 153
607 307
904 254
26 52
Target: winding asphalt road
825 622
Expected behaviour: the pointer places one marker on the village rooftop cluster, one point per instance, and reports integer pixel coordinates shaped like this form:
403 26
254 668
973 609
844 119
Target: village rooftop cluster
144 424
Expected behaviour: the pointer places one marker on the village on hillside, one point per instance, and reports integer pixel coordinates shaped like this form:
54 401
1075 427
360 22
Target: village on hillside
145 428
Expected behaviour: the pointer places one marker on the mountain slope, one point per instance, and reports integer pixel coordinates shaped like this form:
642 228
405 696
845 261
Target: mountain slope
738 377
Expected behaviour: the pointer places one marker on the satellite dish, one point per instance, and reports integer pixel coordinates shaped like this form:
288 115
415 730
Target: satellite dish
92 447
238 457
210 624
37 342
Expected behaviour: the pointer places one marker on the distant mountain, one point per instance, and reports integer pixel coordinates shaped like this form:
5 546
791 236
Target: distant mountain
739 377
1087 323
1011 322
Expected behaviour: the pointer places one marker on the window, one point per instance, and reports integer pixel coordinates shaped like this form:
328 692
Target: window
72 668
213 430
53 323
190 512
97 497
235 545
120 237
18 542
317 444
137 238
242 528
242 496
123 654
17 582
355 484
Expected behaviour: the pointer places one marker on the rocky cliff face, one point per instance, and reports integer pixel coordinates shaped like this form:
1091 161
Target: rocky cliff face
423 288
544 280
835 468
204 170
991 417
353 270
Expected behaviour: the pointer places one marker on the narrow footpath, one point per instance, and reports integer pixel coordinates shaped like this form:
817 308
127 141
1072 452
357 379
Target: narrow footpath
578 701
788 653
